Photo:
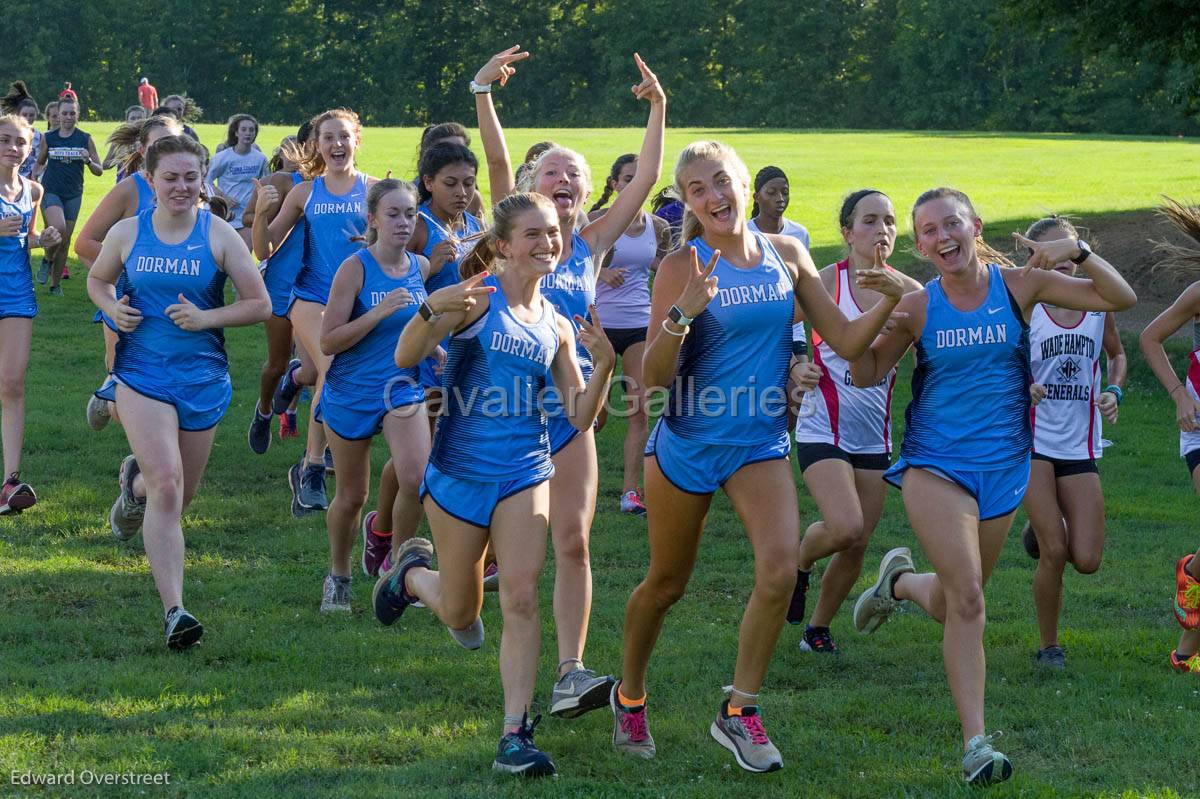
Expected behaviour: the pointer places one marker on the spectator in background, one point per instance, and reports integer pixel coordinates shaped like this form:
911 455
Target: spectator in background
147 95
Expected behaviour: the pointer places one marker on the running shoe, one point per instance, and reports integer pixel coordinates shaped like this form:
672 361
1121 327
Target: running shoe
311 493
630 733
580 691
335 594
98 413
43 272
1052 657
983 765
1185 665
745 736
182 629
57 291
1187 596
491 578
287 425
125 517
15 496
66 275
287 389
631 503
818 639
329 461
259 436
1029 539
295 475
376 546
795 612
468 637
517 753
877 602
390 597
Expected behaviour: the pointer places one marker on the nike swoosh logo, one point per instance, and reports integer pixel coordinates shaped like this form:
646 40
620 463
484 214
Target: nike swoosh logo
994 310
1018 491
194 247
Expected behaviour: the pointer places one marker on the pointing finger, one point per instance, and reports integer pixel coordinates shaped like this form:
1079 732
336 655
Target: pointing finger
712 264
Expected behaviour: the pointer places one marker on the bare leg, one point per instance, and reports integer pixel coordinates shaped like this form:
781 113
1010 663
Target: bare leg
572 506
306 321
354 481
846 565
17 335
407 434
635 435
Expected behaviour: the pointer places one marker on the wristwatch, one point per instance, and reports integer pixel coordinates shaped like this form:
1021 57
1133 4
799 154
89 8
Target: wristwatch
427 313
678 317
480 88
1085 252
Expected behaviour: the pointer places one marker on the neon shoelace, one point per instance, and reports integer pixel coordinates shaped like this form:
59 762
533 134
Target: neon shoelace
1191 596
633 724
754 728
1193 663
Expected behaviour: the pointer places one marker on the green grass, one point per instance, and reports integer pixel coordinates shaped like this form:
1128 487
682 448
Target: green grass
280 701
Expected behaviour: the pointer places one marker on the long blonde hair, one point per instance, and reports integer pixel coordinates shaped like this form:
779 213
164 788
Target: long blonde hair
1186 219
706 151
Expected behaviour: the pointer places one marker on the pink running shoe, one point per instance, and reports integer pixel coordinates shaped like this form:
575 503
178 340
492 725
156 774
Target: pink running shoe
376 546
491 578
287 425
631 502
15 496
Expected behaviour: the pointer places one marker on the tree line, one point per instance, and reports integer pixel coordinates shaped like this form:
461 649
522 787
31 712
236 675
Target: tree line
1023 65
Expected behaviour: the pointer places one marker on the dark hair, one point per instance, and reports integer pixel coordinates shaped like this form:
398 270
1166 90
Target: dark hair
986 251
231 130
218 206
613 174
190 109
436 133
377 192
764 176
665 196
18 97
127 137
170 145
436 158
850 203
304 132
484 255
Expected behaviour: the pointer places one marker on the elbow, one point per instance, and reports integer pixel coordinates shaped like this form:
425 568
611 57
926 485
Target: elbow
1128 299
1148 342
405 359
262 309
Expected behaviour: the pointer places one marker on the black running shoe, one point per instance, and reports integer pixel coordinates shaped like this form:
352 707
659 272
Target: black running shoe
818 639
182 628
517 753
287 389
259 435
1029 539
795 614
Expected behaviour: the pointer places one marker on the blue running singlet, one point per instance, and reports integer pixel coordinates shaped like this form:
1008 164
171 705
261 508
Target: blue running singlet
970 389
571 289
436 233
493 428
730 384
368 368
146 200
280 270
16 282
332 225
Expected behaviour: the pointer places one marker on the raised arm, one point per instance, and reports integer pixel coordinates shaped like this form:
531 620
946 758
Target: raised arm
889 347
603 232
495 149
1182 311
454 307
1103 290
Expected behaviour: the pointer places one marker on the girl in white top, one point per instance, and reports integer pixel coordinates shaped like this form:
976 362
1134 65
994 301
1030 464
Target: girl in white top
1186 394
1064 500
770 202
845 445
623 299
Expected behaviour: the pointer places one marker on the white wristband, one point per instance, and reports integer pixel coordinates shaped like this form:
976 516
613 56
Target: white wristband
680 334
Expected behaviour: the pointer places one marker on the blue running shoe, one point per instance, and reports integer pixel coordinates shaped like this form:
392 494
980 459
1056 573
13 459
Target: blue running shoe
517 753
287 389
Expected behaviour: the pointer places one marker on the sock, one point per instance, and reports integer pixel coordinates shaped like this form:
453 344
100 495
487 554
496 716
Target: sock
627 703
511 723
892 583
259 413
380 533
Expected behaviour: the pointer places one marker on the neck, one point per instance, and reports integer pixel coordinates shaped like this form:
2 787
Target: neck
738 247
860 261
64 130
9 176
241 149
171 219
443 215
386 253
339 176
520 286
768 223
969 278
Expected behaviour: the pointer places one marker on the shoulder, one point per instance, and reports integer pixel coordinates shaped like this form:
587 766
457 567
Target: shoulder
35 190
594 215
422 263
125 230
676 262
793 253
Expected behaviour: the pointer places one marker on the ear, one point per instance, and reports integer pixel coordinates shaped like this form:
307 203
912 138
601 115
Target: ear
503 248
428 182
978 227
846 235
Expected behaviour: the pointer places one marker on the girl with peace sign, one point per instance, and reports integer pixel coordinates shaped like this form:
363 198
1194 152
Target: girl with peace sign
331 206
964 463
721 343
845 445
374 294
487 475
563 177
171 375
1186 395
19 199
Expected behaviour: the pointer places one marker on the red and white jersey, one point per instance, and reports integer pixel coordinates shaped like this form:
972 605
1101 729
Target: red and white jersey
1191 441
854 419
1066 360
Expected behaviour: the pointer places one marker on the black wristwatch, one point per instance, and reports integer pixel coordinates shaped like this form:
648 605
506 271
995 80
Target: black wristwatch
1085 252
678 317
427 313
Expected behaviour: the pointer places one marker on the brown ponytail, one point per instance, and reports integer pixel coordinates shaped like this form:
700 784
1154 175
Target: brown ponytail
485 255
307 156
1186 219
613 175
127 138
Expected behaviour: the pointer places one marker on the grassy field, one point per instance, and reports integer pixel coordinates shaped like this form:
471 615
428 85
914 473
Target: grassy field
281 701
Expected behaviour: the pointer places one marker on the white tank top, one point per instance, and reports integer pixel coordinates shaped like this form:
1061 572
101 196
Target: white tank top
628 305
1066 360
857 420
1191 441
